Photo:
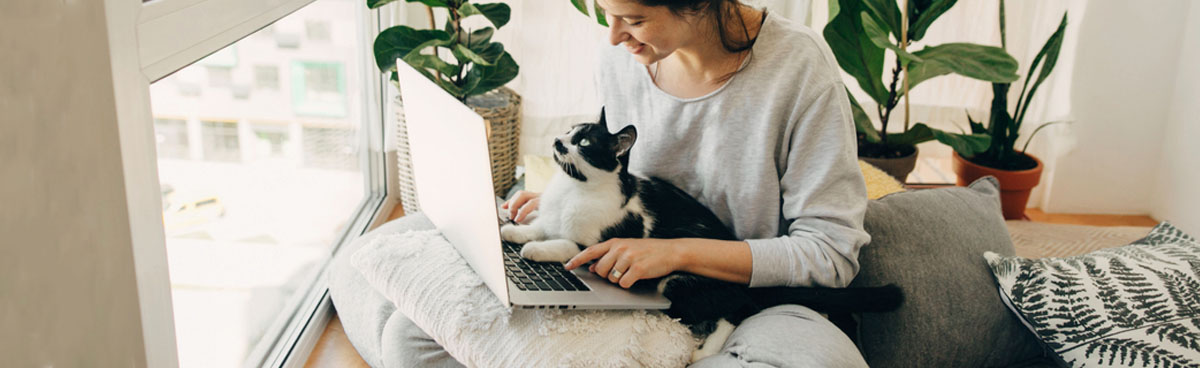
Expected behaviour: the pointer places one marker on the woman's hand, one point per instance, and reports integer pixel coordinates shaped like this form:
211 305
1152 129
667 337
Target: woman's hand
625 261
521 204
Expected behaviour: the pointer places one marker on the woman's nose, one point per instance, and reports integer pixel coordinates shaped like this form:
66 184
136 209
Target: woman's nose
616 32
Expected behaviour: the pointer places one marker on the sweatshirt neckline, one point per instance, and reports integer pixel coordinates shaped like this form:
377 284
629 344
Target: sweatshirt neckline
762 30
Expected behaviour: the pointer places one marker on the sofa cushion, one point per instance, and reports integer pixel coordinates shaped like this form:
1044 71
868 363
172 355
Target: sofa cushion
1131 306
930 243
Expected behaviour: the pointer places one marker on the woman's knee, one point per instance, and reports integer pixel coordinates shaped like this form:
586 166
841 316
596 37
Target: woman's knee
787 336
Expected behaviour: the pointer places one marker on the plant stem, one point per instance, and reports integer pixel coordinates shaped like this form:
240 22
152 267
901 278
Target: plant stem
904 47
893 99
432 25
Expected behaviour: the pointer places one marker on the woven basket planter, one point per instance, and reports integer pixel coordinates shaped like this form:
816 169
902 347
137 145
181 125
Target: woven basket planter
501 110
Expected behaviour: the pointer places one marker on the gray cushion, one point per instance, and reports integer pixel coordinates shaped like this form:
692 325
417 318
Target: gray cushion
366 315
931 244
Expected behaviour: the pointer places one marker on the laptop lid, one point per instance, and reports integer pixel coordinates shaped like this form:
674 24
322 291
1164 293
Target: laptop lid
453 174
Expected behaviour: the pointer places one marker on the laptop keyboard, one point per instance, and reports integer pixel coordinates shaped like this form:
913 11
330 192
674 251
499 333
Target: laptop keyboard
538 276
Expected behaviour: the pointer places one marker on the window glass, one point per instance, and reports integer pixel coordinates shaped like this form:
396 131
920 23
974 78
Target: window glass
259 149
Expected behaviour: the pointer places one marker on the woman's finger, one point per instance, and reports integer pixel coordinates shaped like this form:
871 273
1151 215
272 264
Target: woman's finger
632 275
526 210
605 264
619 269
587 255
516 202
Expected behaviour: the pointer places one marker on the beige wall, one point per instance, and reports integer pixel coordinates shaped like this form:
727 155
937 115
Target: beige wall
1176 197
68 296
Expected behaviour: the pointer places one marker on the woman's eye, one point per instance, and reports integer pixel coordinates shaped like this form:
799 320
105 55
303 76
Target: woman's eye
585 143
635 24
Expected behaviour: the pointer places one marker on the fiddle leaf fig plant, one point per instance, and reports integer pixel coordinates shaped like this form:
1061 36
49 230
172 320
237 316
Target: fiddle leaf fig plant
861 32
479 65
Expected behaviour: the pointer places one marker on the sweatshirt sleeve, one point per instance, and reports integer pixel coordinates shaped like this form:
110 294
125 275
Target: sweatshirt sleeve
824 199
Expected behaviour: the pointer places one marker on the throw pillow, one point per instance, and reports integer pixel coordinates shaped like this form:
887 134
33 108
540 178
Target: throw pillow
429 282
1132 306
879 183
928 242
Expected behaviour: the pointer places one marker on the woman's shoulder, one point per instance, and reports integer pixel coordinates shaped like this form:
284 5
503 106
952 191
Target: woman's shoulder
792 50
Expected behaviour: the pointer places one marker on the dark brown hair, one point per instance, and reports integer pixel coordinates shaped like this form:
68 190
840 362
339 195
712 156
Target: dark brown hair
720 11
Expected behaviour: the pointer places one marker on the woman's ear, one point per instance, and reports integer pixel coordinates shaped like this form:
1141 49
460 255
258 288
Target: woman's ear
625 139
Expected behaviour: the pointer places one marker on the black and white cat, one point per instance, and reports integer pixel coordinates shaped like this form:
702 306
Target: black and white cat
593 198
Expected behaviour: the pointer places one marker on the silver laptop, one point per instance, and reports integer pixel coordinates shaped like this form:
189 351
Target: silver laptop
452 171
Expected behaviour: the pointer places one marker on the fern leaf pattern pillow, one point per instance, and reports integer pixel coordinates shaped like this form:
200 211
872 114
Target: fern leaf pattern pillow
1131 306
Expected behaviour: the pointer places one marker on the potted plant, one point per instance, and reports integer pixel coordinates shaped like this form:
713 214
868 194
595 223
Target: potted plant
473 68
1018 172
861 31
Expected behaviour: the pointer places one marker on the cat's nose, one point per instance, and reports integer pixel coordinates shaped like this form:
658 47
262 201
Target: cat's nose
558 146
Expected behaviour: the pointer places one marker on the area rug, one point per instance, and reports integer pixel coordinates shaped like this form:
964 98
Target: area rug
1037 239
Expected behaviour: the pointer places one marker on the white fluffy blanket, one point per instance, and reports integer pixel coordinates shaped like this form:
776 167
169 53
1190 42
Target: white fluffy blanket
431 284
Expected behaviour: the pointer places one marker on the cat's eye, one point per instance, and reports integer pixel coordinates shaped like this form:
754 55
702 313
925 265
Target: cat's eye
584 142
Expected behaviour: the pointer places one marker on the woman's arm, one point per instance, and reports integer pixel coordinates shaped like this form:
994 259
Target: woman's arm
639 259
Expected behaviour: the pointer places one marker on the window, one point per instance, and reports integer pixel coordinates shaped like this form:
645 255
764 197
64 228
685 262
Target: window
171 138
270 141
317 30
220 141
330 148
318 88
266 76
251 223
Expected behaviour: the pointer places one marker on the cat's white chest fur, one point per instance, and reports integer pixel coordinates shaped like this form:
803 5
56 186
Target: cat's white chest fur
580 211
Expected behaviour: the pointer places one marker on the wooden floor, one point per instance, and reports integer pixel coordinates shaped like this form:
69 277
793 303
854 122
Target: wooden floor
334 350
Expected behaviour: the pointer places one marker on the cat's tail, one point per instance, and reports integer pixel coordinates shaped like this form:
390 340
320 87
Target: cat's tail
854 300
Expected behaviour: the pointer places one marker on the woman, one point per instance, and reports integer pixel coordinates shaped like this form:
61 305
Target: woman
747 113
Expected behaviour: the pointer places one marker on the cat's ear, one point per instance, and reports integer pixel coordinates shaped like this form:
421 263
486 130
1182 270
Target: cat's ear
625 139
602 120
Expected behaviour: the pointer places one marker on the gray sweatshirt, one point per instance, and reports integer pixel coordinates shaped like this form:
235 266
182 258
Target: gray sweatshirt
772 152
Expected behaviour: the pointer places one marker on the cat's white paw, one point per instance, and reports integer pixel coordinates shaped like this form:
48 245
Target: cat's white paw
714 342
558 250
519 234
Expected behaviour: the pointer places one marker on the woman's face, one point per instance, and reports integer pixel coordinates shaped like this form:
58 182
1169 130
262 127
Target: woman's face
649 33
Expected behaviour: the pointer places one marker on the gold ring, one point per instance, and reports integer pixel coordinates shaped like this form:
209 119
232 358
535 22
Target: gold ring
616 274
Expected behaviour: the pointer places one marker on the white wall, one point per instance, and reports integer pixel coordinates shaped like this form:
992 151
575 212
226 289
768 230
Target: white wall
68 294
1122 89
1176 196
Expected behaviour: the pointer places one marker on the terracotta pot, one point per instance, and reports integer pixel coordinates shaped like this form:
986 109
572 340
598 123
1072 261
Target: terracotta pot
1014 185
898 168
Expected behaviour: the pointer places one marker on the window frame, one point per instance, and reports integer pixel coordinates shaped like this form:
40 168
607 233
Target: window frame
151 40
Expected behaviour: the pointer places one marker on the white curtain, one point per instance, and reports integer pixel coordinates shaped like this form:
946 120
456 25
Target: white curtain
556 48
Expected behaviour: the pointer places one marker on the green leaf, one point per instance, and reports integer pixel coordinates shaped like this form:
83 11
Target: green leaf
855 53
879 37
918 133
399 41
479 38
600 17
967 145
372 4
885 13
462 53
1050 52
422 61
922 13
482 79
976 127
985 63
580 5
862 122
497 13
432 3
490 52
448 86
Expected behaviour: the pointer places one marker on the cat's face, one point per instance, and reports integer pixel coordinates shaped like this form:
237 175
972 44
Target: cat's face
589 150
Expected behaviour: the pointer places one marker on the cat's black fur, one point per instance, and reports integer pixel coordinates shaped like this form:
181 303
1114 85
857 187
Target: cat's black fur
696 300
